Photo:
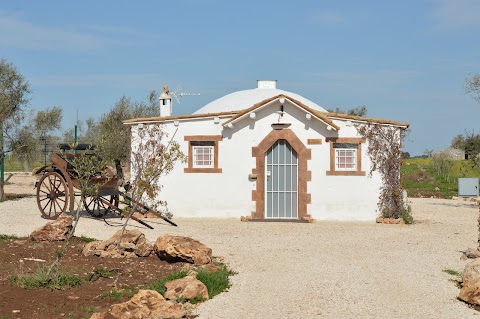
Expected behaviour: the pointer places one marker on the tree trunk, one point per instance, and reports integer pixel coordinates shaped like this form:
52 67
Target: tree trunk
2 193
25 166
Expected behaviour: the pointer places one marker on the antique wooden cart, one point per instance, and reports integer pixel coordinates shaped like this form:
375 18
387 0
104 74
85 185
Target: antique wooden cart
58 185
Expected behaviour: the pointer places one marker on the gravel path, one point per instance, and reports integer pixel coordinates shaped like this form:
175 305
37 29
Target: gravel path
319 270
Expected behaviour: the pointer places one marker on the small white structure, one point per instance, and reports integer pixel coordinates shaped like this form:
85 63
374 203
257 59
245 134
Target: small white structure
270 154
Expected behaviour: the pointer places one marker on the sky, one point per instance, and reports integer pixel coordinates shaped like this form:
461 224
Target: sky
405 60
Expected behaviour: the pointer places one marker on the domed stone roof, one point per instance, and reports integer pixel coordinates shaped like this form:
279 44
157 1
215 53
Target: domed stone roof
241 100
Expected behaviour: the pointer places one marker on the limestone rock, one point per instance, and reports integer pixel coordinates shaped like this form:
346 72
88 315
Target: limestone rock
99 315
470 291
180 248
308 219
56 230
471 271
472 253
188 288
90 248
146 304
133 244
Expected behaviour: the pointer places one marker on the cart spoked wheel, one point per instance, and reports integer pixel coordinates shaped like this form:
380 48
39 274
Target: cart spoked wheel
96 206
52 195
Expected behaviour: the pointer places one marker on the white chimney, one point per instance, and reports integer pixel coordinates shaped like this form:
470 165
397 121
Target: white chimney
267 84
165 102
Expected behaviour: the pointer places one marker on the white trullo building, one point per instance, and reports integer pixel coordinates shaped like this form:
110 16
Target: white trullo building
268 154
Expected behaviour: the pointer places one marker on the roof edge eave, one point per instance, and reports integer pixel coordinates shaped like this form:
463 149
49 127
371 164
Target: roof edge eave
179 117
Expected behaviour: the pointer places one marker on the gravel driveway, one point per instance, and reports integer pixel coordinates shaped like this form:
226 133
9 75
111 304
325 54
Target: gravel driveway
319 270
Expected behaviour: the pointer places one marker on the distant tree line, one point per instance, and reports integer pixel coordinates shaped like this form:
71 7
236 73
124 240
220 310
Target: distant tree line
356 111
469 143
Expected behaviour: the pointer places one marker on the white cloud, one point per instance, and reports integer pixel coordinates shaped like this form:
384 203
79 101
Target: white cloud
328 18
15 32
456 15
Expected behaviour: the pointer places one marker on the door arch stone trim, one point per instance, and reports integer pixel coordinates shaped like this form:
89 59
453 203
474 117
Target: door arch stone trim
304 175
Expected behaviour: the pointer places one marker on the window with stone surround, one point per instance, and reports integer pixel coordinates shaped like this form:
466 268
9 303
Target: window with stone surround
203 154
346 156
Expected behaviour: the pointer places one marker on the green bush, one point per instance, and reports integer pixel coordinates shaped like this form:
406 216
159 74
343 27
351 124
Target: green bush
406 215
159 285
4 237
86 239
216 281
56 279
116 295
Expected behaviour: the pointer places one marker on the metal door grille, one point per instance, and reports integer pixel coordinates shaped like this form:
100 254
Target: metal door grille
281 195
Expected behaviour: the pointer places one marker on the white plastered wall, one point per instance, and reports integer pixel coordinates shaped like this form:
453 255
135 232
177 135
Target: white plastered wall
229 194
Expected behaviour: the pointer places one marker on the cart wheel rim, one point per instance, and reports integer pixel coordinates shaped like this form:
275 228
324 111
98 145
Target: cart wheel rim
52 195
95 206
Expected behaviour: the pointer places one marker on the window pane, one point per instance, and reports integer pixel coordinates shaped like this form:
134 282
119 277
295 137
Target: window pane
288 178
269 178
288 205
288 155
281 178
275 177
281 204
275 205
294 178
294 205
203 156
275 153
345 159
281 151
269 204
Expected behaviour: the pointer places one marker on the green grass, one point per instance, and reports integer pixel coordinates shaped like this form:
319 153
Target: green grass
4 238
103 272
86 239
159 285
216 281
57 279
116 295
13 166
452 272
420 179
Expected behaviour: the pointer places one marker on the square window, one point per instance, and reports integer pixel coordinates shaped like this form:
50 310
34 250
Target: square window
203 156
345 156
345 159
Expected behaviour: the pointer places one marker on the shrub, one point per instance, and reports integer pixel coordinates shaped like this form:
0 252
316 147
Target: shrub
118 294
406 215
86 239
42 278
159 285
7 237
216 281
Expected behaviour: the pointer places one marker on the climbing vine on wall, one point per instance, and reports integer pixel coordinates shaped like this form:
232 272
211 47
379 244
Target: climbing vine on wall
385 151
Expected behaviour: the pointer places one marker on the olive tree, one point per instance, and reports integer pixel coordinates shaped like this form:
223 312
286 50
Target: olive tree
25 139
357 111
114 135
472 86
14 91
